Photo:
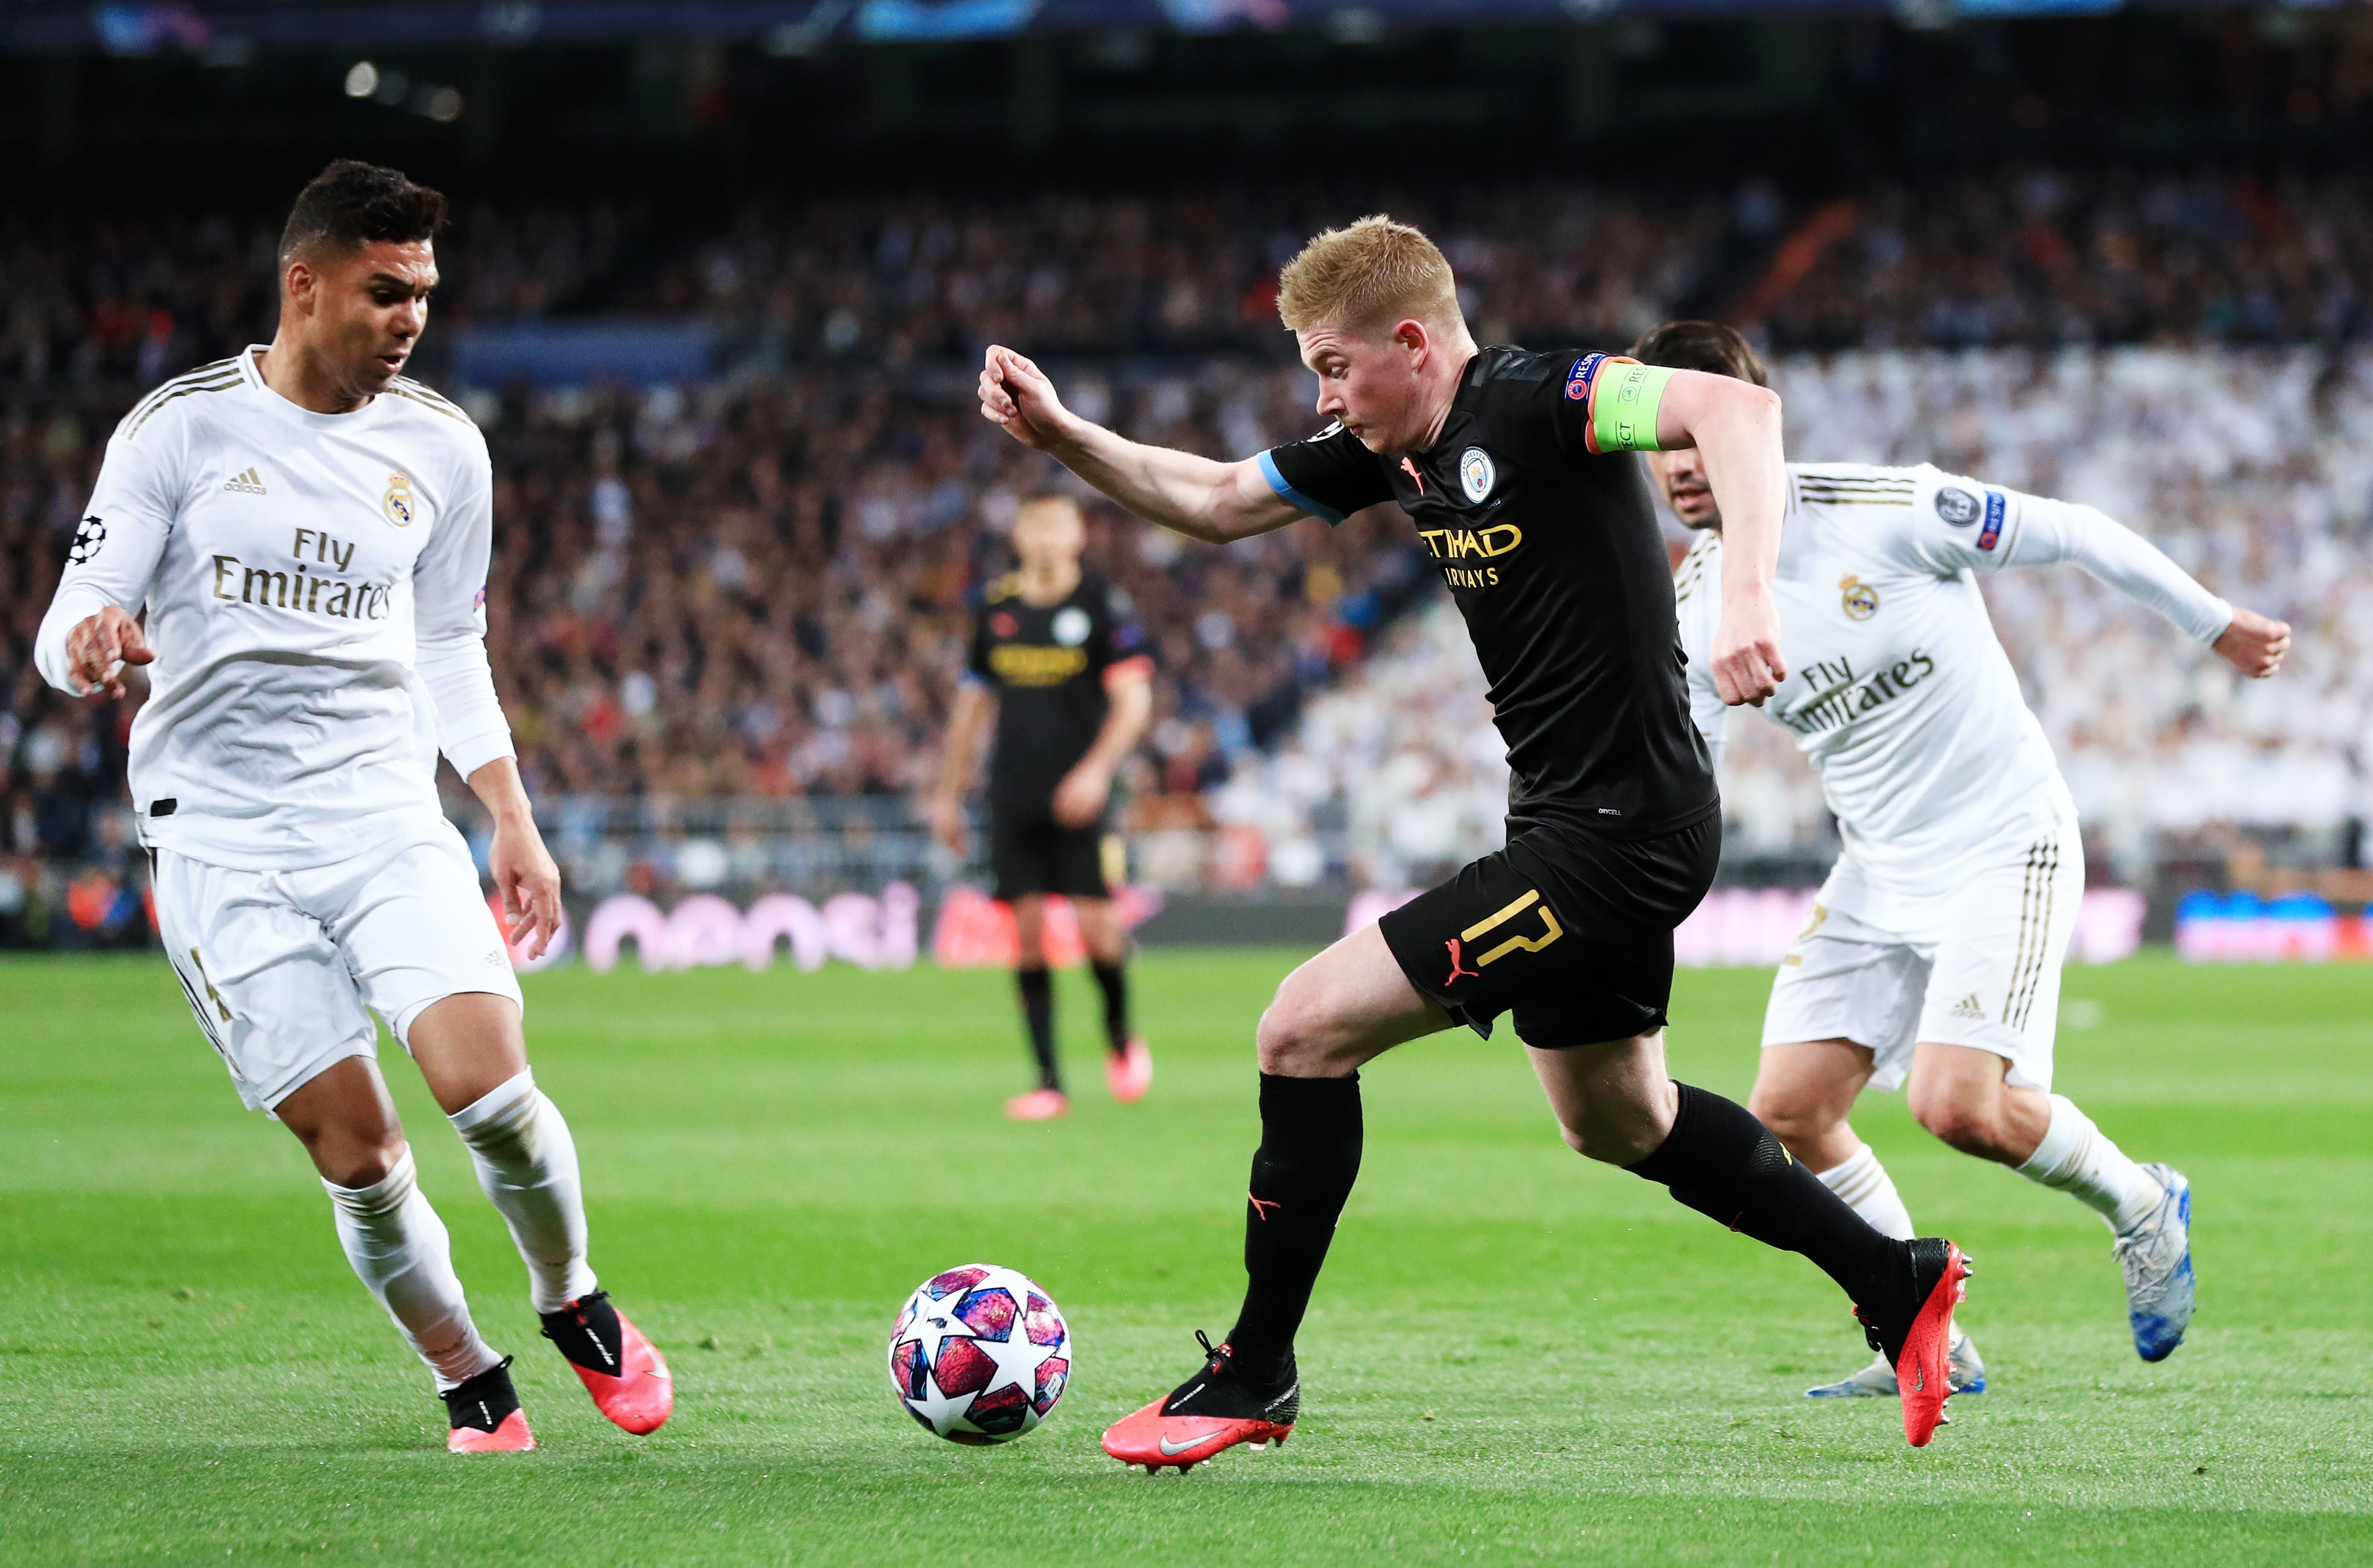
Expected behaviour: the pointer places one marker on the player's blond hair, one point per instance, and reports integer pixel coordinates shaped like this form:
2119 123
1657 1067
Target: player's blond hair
1371 274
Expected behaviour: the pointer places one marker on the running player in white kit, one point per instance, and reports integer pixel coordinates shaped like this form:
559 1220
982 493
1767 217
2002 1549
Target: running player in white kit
1935 949
294 541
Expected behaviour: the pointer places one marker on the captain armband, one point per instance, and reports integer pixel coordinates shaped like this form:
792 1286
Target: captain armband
1623 414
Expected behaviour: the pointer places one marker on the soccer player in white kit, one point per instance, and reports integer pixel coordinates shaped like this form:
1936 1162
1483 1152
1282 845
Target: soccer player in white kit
294 541
1934 948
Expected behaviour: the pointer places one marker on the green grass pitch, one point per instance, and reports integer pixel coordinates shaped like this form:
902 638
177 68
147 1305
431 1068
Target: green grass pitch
1514 1356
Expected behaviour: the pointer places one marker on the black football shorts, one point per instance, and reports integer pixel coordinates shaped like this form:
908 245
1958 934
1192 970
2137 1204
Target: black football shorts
1032 853
1570 932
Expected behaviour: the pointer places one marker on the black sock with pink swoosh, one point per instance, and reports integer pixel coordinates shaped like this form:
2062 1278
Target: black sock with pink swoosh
1303 1172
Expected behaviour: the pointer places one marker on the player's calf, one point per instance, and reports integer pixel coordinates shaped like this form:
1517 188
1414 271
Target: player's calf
526 1161
1726 1165
399 1249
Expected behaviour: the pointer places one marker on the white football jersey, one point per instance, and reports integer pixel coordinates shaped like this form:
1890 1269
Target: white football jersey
1898 690
315 593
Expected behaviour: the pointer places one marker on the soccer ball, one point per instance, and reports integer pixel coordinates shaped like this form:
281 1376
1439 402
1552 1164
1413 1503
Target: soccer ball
979 1355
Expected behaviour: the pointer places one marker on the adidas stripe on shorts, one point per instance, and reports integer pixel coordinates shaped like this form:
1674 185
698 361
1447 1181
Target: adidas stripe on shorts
1974 962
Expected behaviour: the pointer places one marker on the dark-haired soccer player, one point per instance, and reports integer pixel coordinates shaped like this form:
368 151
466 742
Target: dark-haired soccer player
1934 952
1514 467
294 541
1057 658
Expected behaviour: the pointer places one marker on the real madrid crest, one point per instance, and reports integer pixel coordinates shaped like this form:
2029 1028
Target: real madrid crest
398 503
1859 597
1475 475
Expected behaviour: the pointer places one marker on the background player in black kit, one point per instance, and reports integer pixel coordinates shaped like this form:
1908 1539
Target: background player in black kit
1515 467
1057 656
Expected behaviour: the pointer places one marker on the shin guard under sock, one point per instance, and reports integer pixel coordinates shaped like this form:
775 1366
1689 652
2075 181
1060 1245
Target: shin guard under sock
400 1253
1309 1156
1113 980
1725 1164
527 1167
1037 988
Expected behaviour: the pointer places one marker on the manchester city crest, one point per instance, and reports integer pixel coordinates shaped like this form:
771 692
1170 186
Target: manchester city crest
1859 599
1475 475
398 502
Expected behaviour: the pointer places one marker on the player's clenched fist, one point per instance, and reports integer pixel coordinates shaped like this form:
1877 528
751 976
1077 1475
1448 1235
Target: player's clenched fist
1016 394
2254 644
1747 666
100 646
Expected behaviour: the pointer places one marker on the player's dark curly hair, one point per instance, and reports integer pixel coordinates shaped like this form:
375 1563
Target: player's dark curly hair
351 203
1701 346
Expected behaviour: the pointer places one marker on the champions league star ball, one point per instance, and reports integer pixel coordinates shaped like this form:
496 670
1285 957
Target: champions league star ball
979 1355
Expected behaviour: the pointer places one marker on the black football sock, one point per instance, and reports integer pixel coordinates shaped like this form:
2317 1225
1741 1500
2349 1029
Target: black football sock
483 1403
1725 1164
587 1332
1114 982
1037 988
1308 1158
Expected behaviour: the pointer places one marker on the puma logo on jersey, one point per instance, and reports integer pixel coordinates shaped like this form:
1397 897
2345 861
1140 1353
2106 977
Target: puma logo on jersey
1968 1007
247 484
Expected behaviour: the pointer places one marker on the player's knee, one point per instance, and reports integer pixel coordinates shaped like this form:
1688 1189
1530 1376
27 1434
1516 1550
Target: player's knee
358 1163
1973 1129
1295 1038
1791 1120
1619 1139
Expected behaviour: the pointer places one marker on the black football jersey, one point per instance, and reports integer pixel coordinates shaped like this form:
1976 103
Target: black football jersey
1046 664
1553 553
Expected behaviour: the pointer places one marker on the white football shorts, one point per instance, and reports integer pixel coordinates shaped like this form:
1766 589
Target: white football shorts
280 966
1974 962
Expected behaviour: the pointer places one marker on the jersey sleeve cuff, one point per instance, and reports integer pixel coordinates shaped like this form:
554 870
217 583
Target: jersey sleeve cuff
470 753
75 602
1292 496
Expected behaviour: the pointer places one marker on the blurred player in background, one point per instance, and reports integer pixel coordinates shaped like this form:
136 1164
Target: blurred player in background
294 541
1510 465
1059 659
1935 950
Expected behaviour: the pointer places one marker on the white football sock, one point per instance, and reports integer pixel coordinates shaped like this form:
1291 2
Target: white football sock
2077 1158
401 1252
527 1163
1869 1191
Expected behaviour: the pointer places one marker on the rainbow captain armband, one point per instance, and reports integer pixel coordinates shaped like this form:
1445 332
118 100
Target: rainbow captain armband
1623 414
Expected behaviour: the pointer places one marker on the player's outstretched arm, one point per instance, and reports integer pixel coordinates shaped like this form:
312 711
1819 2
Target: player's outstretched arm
2047 531
1734 425
1195 496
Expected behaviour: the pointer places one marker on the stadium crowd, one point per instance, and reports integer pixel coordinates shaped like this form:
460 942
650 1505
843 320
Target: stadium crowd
756 585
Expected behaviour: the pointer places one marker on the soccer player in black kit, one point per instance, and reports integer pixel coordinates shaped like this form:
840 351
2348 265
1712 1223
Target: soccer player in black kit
1059 657
1516 468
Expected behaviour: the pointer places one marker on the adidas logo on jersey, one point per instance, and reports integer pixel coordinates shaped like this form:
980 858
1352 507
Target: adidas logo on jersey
247 484
1970 1007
